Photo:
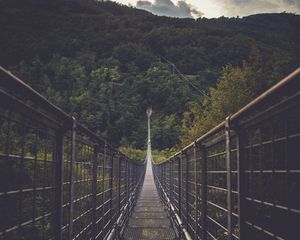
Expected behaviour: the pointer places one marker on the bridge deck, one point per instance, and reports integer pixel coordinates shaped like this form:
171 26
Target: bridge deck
149 219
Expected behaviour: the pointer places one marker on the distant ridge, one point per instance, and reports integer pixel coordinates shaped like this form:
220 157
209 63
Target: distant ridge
105 63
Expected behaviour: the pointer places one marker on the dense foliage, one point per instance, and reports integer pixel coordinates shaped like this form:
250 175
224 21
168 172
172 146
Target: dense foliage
237 87
106 63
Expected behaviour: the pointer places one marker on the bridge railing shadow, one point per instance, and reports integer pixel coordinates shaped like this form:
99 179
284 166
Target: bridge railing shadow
241 180
58 180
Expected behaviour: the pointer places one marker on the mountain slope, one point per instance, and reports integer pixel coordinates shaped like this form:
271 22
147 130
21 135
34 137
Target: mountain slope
105 63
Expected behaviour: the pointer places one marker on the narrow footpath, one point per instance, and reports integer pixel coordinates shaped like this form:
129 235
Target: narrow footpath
149 219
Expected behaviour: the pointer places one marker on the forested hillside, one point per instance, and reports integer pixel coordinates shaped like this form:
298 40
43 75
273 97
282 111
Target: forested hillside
106 63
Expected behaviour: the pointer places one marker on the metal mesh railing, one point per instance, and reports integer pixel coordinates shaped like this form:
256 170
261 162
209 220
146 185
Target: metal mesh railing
57 179
241 180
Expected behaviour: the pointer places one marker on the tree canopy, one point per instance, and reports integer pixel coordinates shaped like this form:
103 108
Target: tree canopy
105 63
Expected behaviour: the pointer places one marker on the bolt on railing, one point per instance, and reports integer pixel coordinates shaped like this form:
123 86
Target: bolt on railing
58 180
241 179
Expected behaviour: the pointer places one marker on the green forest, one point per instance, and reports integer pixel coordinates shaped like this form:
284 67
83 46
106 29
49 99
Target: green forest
105 63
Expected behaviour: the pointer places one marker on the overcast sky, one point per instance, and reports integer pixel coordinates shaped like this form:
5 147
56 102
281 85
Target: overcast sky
214 8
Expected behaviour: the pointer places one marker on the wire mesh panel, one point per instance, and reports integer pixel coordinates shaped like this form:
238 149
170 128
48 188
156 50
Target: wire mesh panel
200 197
123 189
176 184
168 178
130 179
67 173
241 179
28 167
107 191
234 195
171 193
115 188
271 174
83 166
99 192
191 191
216 191
57 179
184 174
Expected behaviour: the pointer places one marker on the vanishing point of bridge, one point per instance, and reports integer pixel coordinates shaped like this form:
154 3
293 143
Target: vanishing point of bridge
58 180
149 219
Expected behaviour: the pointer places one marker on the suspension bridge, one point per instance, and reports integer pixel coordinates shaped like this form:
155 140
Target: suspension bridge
240 180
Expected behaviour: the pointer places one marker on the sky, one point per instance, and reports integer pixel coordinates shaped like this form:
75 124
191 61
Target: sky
214 8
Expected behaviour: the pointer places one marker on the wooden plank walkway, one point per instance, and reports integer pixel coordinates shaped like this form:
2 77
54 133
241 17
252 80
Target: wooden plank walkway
149 219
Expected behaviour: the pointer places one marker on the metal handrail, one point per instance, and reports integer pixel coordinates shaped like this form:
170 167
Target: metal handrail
218 185
13 82
292 78
92 185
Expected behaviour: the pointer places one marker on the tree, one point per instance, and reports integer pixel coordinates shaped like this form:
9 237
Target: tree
237 87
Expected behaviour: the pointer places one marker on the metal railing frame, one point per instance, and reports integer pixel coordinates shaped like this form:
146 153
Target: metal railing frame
85 182
220 157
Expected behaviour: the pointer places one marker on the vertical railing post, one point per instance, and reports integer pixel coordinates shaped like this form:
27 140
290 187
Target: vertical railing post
134 175
159 171
111 186
103 187
171 180
71 189
125 179
129 177
186 190
203 163
94 190
119 184
127 187
228 167
196 192
59 152
164 180
162 176
120 190
240 167
180 190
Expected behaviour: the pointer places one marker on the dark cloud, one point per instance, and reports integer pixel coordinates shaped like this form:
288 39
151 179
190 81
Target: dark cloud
295 3
248 7
168 8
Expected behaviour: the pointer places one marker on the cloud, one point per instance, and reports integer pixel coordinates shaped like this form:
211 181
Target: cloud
168 8
295 3
248 7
